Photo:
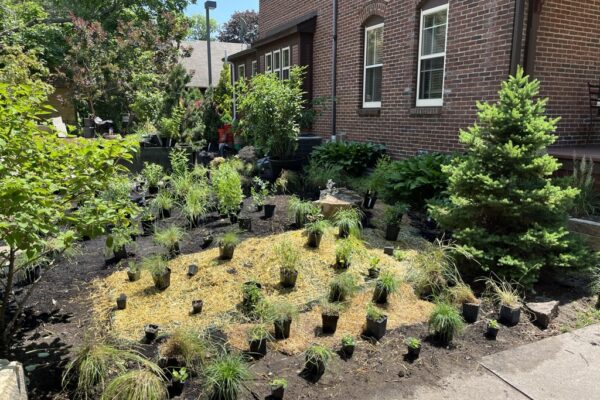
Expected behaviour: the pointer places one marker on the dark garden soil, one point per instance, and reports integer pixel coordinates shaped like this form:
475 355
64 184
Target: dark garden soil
59 314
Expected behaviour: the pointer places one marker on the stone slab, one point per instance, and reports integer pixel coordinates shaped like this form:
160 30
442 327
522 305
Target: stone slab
12 381
564 367
542 312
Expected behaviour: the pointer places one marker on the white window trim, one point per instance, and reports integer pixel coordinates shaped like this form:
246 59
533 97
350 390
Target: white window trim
432 102
241 70
268 68
289 61
254 67
369 104
277 71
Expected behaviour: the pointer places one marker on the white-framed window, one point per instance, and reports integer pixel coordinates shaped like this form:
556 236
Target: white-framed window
373 67
432 56
268 62
241 69
277 63
285 63
254 67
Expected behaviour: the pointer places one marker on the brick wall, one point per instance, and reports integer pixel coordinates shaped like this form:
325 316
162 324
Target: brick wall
478 57
568 57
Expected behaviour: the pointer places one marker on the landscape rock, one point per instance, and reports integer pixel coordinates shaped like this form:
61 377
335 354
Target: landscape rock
12 381
543 312
332 201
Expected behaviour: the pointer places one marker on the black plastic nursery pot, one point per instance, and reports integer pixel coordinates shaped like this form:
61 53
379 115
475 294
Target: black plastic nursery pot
194 222
282 328
389 250
120 253
369 201
288 278
245 223
343 232
197 306
470 312
152 190
380 294
374 273
391 232
348 350
376 329
226 252
192 270
165 213
258 347
342 264
314 239
269 210
134 275
259 208
174 251
277 392
207 241
32 274
175 388
413 352
151 331
510 316
315 367
491 333
162 281
330 322
148 227
233 218
121 301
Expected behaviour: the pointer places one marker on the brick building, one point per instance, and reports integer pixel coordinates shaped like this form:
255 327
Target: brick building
410 71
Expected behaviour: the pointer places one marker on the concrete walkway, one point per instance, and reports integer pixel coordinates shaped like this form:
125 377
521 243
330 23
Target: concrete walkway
564 367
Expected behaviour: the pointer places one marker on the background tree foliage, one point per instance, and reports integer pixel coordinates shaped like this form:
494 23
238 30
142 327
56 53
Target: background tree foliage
242 27
197 27
504 208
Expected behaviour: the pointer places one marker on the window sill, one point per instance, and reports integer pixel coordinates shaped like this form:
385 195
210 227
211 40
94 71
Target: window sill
426 111
368 112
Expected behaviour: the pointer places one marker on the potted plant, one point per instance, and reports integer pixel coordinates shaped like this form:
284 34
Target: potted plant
192 270
269 210
197 306
301 211
257 338
463 296
116 243
347 220
330 314
134 272
179 378
283 314
342 286
492 329
169 238
376 322
245 223
121 301
348 345
317 357
151 331
160 271
288 260
227 184
260 192
414 347
226 376
153 174
387 284
393 217
278 386
227 245
162 204
374 268
195 205
508 296
251 296
344 250
445 322
148 222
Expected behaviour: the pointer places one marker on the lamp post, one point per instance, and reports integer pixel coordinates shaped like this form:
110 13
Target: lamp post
209 5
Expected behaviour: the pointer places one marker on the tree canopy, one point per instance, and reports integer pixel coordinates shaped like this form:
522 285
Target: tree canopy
197 28
242 27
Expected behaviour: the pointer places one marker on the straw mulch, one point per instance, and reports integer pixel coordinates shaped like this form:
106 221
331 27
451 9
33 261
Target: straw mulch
218 283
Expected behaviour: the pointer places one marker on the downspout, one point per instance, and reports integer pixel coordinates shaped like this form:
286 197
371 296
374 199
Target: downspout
232 81
517 38
334 77
533 24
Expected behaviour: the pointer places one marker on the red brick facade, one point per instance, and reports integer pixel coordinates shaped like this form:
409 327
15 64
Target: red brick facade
478 55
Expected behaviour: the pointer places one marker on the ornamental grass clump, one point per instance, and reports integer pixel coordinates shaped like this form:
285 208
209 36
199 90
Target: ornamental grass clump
301 211
315 230
348 221
504 207
137 385
289 258
317 358
342 286
188 347
169 238
387 284
445 322
226 376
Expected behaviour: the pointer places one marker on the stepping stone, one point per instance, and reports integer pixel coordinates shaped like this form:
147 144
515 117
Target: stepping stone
543 312
12 381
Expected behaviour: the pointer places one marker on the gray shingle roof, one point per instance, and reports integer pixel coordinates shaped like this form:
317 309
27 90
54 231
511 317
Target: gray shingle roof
197 64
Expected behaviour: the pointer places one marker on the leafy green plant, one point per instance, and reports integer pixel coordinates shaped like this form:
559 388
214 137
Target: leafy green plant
352 157
348 340
227 184
375 313
118 239
284 311
503 205
162 201
270 110
226 376
342 286
288 255
493 324
445 322
587 201
346 249
253 303
153 174
118 189
413 342
387 282
180 375
258 332
374 261
430 269
279 383
317 175
136 385
259 191
301 211
348 220
196 202
179 161
393 214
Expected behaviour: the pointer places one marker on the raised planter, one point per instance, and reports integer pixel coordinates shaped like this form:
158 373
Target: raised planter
588 230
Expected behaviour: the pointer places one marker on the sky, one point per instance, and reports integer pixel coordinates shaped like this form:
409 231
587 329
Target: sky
224 8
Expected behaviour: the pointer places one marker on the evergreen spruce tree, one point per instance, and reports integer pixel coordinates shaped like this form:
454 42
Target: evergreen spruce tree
504 208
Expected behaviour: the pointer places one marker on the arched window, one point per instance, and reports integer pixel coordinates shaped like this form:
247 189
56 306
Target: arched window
373 63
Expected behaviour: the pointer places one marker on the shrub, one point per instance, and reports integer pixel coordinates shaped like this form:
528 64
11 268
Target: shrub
346 249
301 211
153 174
226 376
136 385
259 192
270 110
342 286
227 184
503 206
352 157
180 161
195 203
445 322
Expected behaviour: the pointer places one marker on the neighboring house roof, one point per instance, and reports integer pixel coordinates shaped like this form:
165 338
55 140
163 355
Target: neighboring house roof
196 64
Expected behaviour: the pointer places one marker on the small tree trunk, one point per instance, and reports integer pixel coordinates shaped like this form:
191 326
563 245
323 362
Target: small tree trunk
6 299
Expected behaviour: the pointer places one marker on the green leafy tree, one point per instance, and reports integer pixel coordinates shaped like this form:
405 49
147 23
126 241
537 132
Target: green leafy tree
504 208
197 27
42 178
242 27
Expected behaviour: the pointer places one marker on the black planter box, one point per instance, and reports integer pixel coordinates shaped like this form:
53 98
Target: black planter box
380 295
330 323
162 282
491 333
282 329
226 252
470 312
510 316
121 302
288 278
269 210
391 232
151 331
314 240
258 348
376 329
245 223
